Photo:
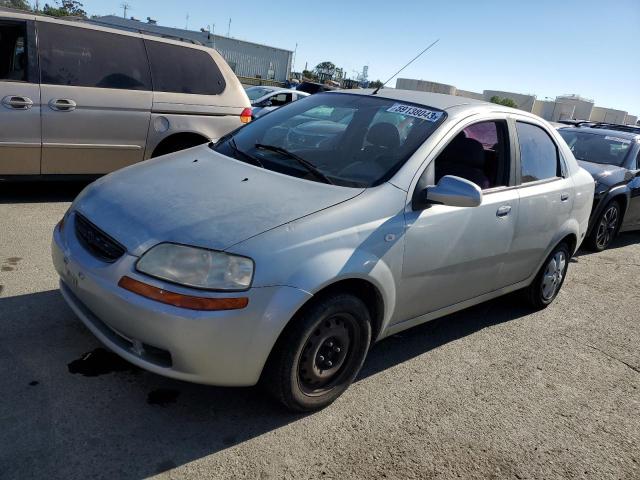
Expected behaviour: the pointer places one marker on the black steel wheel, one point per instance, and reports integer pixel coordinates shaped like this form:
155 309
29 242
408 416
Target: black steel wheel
606 227
320 353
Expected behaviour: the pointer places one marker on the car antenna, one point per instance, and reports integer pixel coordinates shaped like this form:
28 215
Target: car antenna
412 60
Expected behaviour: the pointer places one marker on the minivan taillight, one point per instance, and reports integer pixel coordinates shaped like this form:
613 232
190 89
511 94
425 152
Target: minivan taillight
245 116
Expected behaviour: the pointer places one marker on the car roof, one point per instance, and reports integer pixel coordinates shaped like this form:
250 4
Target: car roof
435 100
603 132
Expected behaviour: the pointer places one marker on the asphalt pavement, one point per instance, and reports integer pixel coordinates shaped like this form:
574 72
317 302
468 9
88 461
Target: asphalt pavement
495 391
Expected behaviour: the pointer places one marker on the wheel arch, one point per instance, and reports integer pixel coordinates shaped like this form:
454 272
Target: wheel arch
620 194
364 289
189 138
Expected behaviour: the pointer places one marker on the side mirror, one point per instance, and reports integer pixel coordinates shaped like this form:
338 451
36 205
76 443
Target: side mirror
452 191
266 103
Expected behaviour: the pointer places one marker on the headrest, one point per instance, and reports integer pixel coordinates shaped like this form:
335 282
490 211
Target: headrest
385 135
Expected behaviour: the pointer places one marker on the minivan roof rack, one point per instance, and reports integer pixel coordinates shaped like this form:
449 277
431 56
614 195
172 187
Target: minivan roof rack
170 37
615 126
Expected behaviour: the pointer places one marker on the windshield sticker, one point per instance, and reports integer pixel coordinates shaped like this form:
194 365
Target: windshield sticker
618 139
411 111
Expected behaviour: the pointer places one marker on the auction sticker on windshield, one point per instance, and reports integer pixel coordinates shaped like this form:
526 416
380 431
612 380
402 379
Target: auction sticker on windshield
417 112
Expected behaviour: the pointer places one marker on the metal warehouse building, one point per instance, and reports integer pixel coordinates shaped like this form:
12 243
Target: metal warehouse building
247 59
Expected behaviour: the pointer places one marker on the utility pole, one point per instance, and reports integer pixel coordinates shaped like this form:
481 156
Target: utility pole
229 28
186 25
293 62
125 6
213 34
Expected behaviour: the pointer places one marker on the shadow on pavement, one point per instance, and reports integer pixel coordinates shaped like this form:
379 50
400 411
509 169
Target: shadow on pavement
622 240
130 423
40 192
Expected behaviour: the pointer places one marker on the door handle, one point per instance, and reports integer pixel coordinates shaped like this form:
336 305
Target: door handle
62 104
564 196
503 211
17 102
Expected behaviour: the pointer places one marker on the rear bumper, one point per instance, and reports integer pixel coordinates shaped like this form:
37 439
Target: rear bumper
227 348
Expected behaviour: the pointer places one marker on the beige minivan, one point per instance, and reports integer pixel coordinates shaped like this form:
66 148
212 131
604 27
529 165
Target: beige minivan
78 99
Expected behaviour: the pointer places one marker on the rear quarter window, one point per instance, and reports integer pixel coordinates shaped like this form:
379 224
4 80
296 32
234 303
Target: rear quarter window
179 69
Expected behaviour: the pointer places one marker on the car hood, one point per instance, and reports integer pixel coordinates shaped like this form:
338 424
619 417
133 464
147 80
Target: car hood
202 198
602 173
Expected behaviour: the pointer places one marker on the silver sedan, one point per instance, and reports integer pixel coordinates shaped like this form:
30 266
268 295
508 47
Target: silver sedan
279 257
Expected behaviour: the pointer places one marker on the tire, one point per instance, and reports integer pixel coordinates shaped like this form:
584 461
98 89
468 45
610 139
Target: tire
320 353
548 282
605 227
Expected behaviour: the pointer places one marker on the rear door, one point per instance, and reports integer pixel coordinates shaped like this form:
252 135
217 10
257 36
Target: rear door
20 139
546 198
96 96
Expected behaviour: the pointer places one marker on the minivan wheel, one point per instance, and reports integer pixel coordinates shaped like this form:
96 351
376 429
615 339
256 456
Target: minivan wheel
320 353
544 289
605 228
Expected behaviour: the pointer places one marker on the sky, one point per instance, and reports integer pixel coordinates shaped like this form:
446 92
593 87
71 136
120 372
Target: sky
542 47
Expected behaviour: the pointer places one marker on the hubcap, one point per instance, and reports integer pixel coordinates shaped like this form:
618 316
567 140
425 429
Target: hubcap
553 274
324 354
607 227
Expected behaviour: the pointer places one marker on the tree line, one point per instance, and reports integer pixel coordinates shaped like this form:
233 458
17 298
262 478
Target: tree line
60 8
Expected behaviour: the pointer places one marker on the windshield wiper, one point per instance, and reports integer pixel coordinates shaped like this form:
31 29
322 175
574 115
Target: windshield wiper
254 160
305 163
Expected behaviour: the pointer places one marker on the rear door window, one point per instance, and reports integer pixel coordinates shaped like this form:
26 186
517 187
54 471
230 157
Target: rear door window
538 154
84 57
179 69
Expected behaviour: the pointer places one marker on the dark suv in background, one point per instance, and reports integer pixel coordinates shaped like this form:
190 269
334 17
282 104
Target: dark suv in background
611 153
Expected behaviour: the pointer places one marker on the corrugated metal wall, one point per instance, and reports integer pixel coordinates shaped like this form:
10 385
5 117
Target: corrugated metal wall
251 60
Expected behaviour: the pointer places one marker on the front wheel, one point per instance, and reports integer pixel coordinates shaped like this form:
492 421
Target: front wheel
605 228
545 287
320 353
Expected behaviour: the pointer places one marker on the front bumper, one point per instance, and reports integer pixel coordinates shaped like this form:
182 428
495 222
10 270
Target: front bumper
227 348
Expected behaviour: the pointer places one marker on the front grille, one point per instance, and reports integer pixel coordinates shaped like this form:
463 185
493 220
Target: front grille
98 243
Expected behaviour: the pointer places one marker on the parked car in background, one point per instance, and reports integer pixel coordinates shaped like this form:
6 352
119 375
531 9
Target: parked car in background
261 258
266 99
613 159
81 99
312 87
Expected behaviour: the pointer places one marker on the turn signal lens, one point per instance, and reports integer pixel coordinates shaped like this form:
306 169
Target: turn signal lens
245 116
180 300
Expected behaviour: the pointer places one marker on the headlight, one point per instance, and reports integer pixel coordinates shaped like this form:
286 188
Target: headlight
197 267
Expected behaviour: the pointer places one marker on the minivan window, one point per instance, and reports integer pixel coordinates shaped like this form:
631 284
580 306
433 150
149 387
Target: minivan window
13 52
179 69
538 153
83 57
351 140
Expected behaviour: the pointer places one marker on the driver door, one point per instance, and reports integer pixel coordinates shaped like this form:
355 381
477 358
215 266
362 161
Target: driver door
453 254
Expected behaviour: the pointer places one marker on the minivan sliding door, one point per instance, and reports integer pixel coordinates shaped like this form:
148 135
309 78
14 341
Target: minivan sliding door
96 96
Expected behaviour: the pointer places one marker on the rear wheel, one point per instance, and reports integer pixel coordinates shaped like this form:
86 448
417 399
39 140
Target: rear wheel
605 228
544 289
320 354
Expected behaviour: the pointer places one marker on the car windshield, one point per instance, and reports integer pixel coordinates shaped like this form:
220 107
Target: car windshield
350 140
597 148
255 93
